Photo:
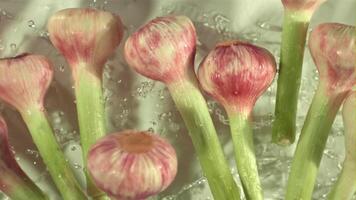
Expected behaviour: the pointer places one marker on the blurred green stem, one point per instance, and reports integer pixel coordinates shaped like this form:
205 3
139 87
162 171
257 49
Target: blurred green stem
345 186
312 142
17 187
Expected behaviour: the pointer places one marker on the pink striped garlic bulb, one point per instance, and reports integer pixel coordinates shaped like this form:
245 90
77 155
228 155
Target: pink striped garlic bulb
302 5
86 37
332 46
236 74
132 165
163 49
25 80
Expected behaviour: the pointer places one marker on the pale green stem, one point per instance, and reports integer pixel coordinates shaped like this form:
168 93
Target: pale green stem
194 111
51 153
91 117
345 186
312 142
242 138
17 187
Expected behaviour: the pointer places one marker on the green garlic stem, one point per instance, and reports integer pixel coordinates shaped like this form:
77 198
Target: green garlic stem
194 111
242 138
345 186
295 27
311 144
91 117
52 154
17 187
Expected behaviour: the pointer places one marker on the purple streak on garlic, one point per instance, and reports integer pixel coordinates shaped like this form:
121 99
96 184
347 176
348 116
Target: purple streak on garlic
333 49
24 80
132 165
236 74
307 5
163 49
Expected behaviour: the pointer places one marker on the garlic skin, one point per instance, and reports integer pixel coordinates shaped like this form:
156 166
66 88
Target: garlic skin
85 35
132 165
24 80
7 157
163 49
304 5
333 49
236 73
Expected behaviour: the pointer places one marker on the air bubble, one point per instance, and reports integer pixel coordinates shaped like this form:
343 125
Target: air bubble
145 88
6 14
61 68
2 46
269 27
13 47
31 23
33 153
73 148
77 166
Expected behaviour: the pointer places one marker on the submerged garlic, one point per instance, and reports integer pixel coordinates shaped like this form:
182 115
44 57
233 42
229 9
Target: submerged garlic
132 165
